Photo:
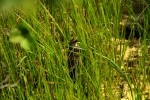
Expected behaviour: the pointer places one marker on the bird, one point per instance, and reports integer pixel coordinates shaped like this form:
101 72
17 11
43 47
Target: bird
73 55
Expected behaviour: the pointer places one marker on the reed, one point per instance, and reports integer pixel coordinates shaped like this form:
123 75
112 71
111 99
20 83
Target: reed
84 35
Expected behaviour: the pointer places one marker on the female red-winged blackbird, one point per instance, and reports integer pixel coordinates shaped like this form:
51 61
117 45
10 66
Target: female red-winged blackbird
73 54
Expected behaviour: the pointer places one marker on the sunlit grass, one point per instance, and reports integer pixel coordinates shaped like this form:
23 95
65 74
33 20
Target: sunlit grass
40 71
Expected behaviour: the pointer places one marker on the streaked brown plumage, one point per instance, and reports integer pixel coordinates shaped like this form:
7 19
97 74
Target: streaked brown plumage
73 54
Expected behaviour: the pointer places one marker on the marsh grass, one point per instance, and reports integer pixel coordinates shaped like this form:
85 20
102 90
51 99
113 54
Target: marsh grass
42 73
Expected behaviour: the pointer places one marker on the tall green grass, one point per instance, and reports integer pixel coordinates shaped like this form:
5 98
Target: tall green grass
42 72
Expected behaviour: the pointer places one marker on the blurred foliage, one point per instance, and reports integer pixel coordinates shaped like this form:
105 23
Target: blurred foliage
21 35
26 5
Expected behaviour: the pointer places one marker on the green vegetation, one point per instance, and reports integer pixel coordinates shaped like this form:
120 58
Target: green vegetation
34 50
